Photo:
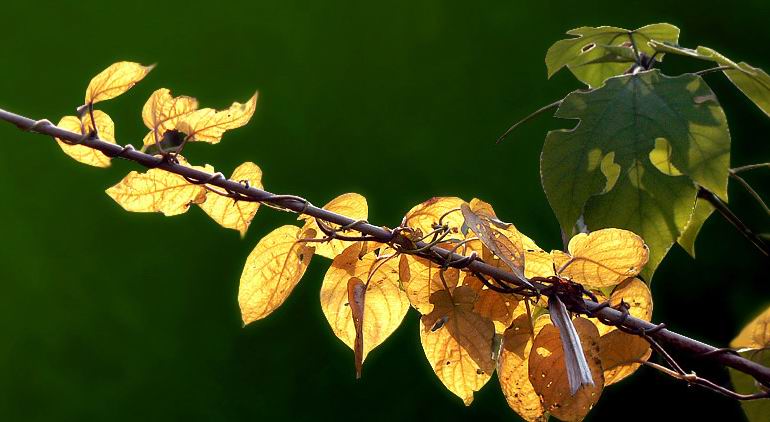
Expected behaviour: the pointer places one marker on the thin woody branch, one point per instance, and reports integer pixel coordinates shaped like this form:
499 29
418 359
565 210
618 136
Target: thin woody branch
659 333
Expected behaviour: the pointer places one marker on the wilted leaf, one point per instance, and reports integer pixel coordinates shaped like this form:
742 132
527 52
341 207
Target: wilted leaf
602 258
507 247
756 334
230 213
385 304
458 342
272 270
626 117
513 368
157 191
208 125
548 373
162 112
115 80
424 215
104 126
356 301
582 54
350 205
621 354
421 278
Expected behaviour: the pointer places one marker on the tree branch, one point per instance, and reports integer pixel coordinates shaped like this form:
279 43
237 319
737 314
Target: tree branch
678 342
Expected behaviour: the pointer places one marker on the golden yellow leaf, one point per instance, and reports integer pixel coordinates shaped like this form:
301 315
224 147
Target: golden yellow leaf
115 80
272 270
621 355
458 342
162 112
424 215
548 373
513 368
603 258
350 205
421 278
104 126
495 306
385 304
756 334
230 213
635 293
208 125
158 191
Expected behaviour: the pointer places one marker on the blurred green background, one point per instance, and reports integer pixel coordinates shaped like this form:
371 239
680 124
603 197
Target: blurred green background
106 315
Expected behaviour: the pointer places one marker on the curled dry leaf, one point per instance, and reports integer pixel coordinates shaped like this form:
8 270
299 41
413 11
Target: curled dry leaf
548 373
115 80
506 246
428 213
621 355
756 334
230 213
385 305
158 191
356 301
162 112
208 125
104 126
420 278
513 368
272 270
458 342
350 205
602 258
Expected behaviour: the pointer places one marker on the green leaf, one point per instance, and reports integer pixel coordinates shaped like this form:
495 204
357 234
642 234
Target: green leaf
752 81
591 43
642 142
701 213
755 410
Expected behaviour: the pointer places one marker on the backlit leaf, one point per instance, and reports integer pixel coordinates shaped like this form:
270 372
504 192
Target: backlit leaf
621 355
157 191
702 212
756 334
385 304
115 80
755 410
208 125
495 306
627 117
582 54
350 205
424 215
104 126
230 213
548 373
272 270
507 247
162 112
633 292
423 280
458 342
602 258
356 301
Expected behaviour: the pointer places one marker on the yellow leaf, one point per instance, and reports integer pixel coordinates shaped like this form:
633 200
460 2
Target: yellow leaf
756 334
162 112
115 80
506 246
157 191
84 154
513 368
458 342
424 215
548 373
621 354
421 278
636 294
603 258
495 306
230 213
272 270
385 304
208 125
350 205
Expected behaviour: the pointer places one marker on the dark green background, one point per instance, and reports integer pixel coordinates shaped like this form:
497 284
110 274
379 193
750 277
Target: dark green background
106 315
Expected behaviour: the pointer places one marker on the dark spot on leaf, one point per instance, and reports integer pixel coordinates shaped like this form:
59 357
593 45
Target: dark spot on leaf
588 47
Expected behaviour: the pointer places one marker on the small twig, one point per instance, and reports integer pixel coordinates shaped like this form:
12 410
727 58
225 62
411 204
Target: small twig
532 115
723 210
713 70
750 167
750 190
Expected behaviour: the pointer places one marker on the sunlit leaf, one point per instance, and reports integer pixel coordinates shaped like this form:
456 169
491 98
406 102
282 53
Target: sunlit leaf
157 191
458 342
272 270
621 355
506 246
513 368
428 213
350 205
115 80
702 212
626 117
755 410
548 374
162 112
421 278
602 258
385 304
104 126
208 125
230 213
495 306
756 334
582 54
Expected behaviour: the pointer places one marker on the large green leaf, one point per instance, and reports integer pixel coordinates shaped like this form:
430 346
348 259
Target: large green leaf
755 410
632 162
586 55
752 81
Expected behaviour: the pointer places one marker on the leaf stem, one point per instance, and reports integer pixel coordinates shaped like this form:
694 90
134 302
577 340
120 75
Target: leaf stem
531 116
713 70
751 191
733 219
